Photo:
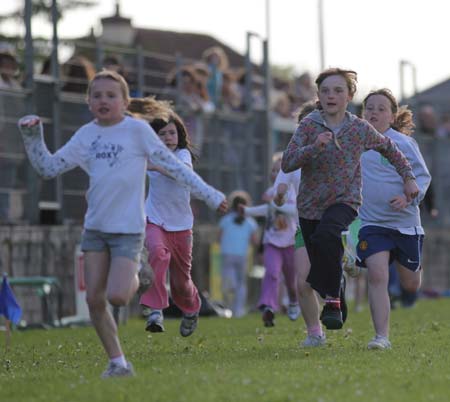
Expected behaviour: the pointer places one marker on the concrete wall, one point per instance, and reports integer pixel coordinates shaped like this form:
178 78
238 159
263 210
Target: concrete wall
50 250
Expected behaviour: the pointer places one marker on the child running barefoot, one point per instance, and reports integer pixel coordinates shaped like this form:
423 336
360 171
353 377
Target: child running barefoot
391 228
278 240
113 150
328 145
169 223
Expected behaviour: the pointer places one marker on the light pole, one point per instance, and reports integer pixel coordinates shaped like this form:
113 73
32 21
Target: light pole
403 65
321 35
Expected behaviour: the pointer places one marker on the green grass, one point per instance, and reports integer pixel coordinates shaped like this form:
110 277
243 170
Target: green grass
238 360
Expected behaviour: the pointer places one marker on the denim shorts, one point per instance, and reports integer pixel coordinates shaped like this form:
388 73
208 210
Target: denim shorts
117 244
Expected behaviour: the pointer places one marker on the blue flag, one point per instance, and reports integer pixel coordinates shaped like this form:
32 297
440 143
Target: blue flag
8 303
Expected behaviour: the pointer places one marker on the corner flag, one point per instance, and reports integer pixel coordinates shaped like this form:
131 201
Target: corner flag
8 303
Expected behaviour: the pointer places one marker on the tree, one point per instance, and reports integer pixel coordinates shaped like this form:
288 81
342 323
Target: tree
44 8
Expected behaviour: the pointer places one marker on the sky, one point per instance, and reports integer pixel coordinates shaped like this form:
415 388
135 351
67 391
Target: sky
370 37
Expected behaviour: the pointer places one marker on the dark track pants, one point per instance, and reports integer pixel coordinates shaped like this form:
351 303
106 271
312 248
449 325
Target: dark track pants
323 240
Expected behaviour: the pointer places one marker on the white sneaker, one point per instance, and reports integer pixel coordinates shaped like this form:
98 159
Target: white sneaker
116 370
379 343
314 341
293 311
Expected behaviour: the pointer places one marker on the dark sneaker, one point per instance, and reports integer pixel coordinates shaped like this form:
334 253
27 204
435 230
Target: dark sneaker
331 316
268 317
116 370
188 324
155 322
344 308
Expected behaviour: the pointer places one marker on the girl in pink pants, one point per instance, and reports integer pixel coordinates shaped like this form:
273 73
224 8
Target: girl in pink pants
169 223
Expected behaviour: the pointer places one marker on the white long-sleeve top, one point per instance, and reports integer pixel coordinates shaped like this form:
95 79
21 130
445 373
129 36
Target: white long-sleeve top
273 233
115 158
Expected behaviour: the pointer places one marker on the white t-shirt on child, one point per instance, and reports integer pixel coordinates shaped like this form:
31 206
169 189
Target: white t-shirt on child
168 202
115 158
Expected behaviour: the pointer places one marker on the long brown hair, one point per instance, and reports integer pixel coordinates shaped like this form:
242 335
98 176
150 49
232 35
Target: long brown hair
403 117
159 114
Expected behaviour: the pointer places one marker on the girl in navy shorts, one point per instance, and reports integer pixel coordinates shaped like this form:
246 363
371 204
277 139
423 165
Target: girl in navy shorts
390 225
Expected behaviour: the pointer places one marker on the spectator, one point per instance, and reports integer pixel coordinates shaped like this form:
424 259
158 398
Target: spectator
193 96
8 67
443 130
217 62
427 125
77 72
303 89
231 97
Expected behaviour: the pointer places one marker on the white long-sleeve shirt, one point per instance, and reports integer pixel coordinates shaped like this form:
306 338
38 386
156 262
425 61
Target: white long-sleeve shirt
115 158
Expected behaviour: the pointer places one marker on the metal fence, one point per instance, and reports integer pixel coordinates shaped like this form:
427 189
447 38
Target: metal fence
232 147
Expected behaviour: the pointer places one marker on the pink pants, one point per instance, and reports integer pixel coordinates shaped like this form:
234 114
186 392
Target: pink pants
277 260
173 251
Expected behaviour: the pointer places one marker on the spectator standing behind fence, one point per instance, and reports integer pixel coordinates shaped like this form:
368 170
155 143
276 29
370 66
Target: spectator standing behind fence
278 244
327 145
9 67
77 72
169 223
427 125
390 223
113 149
193 96
217 62
236 233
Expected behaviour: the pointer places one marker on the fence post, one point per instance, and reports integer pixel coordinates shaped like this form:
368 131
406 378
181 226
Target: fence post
56 118
33 181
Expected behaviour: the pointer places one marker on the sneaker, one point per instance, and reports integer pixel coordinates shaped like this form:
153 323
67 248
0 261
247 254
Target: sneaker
155 322
188 324
313 341
349 262
331 316
268 317
116 370
379 343
293 311
145 273
344 308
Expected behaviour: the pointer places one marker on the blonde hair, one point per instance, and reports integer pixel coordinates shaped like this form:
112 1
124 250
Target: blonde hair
403 117
111 75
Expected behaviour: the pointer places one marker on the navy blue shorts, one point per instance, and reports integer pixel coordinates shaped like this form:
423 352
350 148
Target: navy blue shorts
406 249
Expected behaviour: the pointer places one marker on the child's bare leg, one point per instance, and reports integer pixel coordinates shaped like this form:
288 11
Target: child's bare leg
96 274
307 296
380 308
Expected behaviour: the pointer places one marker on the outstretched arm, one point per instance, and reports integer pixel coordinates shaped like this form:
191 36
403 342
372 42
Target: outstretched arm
47 165
159 154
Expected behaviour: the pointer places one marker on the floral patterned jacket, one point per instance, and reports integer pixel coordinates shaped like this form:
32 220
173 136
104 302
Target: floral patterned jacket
333 174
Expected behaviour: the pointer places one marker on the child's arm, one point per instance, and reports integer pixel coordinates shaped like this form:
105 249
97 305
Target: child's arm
386 147
159 154
47 165
300 150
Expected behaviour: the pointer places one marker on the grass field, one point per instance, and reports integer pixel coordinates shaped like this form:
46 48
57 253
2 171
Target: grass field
238 360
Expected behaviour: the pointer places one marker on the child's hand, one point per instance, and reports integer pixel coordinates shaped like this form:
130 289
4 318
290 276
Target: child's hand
279 198
29 121
410 189
398 202
323 139
223 207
